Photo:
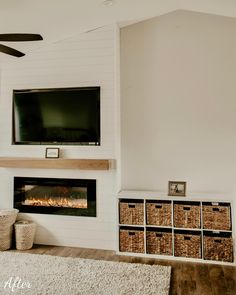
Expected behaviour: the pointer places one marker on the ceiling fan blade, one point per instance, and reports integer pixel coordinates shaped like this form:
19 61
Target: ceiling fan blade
20 37
10 51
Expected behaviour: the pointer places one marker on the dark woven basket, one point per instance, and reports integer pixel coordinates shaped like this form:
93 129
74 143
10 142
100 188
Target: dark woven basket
187 244
187 214
158 213
132 212
159 241
218 247
132 240
216 216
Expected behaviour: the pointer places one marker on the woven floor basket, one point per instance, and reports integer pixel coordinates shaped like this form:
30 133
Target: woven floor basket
7 219
24 232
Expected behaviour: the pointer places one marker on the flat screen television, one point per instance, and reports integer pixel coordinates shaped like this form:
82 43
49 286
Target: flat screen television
66 116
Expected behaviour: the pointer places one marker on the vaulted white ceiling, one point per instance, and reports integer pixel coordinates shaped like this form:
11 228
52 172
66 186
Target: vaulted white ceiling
59 19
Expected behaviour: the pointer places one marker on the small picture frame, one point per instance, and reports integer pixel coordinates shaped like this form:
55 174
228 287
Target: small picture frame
52 153
177 188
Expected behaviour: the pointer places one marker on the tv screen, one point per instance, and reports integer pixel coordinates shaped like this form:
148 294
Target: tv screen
57 116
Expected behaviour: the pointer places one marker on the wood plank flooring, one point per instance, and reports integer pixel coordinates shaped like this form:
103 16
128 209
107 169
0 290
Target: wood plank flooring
186 279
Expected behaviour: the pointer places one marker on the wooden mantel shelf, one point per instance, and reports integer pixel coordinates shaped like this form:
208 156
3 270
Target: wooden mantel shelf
83 164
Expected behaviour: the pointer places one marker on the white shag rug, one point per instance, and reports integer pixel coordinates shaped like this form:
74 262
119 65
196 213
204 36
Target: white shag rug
35 274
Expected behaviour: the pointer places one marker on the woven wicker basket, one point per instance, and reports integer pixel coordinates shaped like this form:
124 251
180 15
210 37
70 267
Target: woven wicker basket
216 216
187 214
132 239
218 246
7 219
132 212
158 213
187 244
24 232
159 241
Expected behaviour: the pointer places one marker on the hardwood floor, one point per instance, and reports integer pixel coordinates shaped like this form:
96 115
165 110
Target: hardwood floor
187 278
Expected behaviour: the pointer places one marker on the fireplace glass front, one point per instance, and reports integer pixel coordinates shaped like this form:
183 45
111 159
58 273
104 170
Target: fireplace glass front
55 196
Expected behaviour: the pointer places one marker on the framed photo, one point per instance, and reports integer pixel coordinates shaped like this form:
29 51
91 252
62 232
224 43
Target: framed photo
52 153
177 188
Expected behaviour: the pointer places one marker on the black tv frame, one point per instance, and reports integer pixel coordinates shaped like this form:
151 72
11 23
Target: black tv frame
97 143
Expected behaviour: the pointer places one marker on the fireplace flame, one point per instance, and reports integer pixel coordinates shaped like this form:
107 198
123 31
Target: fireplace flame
56 202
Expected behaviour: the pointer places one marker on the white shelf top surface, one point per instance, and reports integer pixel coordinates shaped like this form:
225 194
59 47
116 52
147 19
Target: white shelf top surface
195 196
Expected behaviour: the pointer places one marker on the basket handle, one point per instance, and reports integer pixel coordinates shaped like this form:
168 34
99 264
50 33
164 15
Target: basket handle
131 233
187 238
217 241
187 208
131 206
158 206
216 209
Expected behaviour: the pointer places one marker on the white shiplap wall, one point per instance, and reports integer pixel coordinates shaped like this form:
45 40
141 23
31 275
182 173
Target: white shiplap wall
87 59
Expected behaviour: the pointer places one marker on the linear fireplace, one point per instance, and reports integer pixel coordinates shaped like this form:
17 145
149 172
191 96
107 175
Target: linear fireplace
58 196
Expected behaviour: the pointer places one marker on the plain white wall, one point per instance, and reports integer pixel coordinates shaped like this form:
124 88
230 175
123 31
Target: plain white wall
178 103
87 59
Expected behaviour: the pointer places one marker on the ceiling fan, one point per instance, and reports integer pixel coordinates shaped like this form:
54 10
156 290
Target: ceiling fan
17 38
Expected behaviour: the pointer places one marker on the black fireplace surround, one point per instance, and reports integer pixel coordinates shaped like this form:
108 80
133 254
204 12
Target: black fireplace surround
57 196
